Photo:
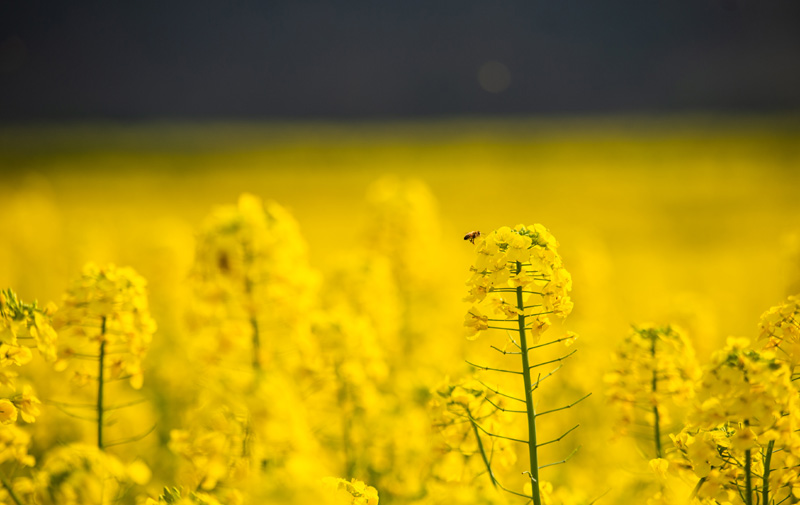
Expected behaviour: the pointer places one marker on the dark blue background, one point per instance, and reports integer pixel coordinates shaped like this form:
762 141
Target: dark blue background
385 59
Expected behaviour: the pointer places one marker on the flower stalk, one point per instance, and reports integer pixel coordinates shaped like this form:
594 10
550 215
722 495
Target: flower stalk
656 418
101 383
530 409
522 262
10 490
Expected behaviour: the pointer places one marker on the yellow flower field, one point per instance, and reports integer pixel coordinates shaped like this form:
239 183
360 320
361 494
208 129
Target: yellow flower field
291 313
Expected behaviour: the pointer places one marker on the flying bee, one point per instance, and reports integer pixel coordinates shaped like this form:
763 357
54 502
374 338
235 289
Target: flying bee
471 236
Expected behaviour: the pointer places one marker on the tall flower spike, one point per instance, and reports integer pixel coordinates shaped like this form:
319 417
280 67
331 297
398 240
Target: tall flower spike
741 437
27 322
518 282
522 261
404 227
653 367
780 327
465 412
251 273
106 318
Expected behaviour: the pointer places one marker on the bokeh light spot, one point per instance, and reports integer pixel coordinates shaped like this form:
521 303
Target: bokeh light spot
494 77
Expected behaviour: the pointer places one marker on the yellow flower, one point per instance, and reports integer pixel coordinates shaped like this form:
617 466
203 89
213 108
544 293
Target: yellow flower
8 412
108 305
28 405
513 260
24 320
475 322
14 355
361 493
654 368
659 466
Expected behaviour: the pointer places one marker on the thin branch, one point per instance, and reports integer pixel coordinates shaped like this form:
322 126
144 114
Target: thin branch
550 343
697 488
504 352
76 416
10 490
499 436
483 453
498 392
127 404
535 386
56 403
598 498
512 290
514 492
563 460
498 407
562 358
541 379
128 440
565 406
512 340
492 369
559 438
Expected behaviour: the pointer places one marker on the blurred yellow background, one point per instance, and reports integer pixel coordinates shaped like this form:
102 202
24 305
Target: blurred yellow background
692 220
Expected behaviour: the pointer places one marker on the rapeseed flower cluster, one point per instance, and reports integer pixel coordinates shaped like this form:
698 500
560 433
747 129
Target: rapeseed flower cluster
250 276
655 369
270 375
780 327
524 257
518 281
740 438
106 317
464 412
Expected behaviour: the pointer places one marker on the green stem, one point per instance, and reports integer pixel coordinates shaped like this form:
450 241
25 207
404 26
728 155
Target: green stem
10 490
530 410
483 451
100 384
342 397
765 483
697 488
656 418
748 479
256 345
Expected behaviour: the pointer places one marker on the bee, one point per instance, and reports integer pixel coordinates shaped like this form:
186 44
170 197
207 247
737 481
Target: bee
471 236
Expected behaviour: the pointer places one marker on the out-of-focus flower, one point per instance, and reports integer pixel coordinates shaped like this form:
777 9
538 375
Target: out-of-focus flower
106 313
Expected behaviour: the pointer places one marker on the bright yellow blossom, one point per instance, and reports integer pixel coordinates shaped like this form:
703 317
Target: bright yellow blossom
8 412
106 309
522 257
361 493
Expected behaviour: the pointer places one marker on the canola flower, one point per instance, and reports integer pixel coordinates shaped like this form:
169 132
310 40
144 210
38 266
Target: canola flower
106 318
213 452
518 281
654 373
360 493
22 326
335 382
376 422
654 368
404 227
741 437
179 496
251 280
253 295
21 323
779 327
80 474
463 412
